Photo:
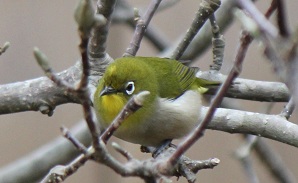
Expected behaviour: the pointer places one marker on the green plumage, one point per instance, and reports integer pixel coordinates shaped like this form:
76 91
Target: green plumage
170 111
172 77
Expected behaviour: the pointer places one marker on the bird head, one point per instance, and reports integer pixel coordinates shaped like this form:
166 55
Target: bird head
120 82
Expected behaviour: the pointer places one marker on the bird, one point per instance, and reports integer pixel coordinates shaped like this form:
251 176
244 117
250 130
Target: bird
172 109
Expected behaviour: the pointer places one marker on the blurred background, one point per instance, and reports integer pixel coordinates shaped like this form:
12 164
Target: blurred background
51 27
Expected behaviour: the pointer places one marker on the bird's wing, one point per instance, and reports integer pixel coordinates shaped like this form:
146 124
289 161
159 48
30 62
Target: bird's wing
185 75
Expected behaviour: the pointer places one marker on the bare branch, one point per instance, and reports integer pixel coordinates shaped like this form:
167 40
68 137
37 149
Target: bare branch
281 19
274 127
39 94
4 47
42 94
280 49
205 10
34 166
142 24
218 45
273 161
131 106
43 62
122 151
59 173
66 133
227 120
271 9
124 13
198 132
97 44
247 89
224 18
288 110
243 152
260 19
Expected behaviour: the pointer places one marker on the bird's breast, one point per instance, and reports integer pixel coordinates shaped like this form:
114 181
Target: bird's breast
111 106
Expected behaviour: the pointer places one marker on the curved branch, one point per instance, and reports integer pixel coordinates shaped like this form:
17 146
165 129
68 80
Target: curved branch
227 120
34 166
43 95
273 127
247 89
206 9
224 18
99 35
39 94
141 26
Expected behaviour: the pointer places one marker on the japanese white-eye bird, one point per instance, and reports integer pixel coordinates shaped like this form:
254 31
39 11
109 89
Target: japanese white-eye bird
171 110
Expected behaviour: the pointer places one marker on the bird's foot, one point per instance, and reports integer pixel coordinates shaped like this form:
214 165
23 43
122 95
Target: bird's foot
156 151
166 143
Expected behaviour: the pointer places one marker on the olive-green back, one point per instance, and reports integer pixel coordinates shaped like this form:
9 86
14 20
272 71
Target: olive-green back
173 77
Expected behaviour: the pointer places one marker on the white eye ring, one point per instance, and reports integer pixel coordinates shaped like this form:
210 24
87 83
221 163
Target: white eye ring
130 87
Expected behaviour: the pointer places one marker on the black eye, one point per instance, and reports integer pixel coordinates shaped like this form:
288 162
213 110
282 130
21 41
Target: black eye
130 87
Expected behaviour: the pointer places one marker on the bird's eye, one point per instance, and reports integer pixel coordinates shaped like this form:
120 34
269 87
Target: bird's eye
130 87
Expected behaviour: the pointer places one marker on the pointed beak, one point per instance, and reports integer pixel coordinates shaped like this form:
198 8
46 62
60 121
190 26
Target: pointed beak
107 90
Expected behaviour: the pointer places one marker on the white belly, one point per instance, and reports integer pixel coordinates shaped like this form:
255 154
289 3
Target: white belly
172 119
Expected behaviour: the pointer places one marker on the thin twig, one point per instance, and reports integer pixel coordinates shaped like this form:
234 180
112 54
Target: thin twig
249 170
198 132
224 18
243 152
43 62
273 161
124 13
83 93
288 109
59 173
157 38
281 19
206 9
218 45
99 35
259 18
61 151
4 47
281 50
142 24
271 9
122 151
131 106
31 167
66 133
86 20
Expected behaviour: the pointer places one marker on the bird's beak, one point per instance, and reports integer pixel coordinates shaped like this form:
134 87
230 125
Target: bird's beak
107 90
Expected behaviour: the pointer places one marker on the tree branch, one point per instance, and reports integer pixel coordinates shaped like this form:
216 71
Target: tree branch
264 91
277 168
142 24
34 166
4 47
99 35
198 132
42 94
224 18
61 151
273 127
124 14
39 94
206 9
134 104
